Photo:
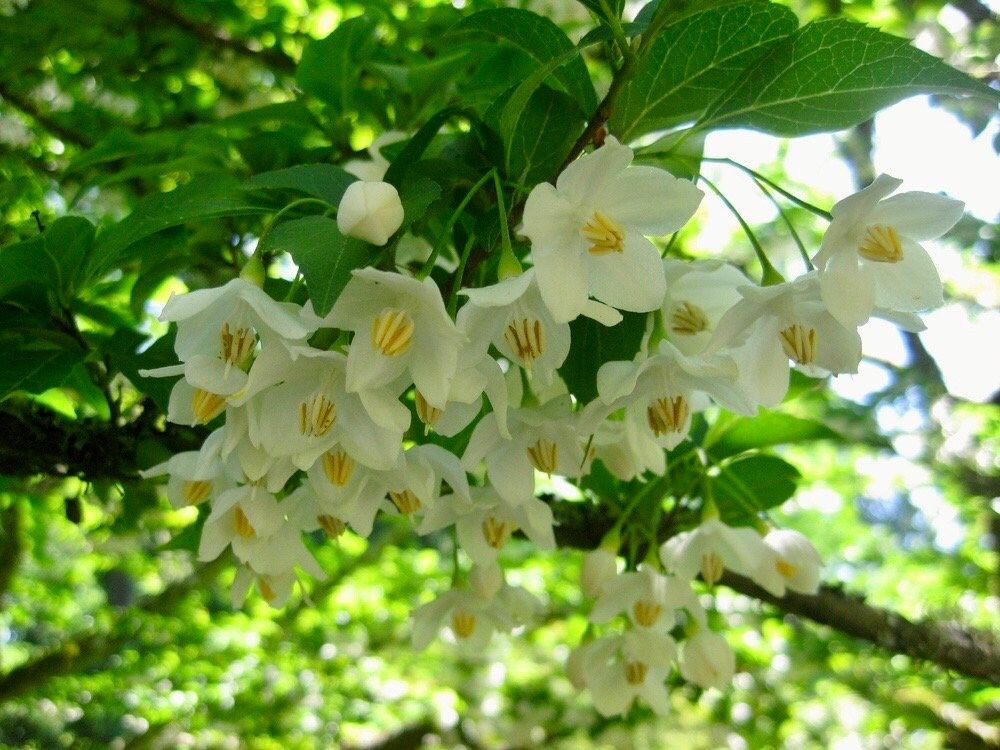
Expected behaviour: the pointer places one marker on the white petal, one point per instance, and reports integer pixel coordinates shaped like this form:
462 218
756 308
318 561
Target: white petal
919 216
563 281
631 280
912 284
603 314
651 200
847 289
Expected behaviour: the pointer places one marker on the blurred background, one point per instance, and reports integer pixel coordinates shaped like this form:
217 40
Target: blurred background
112 637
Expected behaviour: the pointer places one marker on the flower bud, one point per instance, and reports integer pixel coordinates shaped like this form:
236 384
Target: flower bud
796 560
370 211
707 660
486 580
599 566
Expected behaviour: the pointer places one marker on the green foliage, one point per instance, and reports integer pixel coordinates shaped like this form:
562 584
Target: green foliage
593 344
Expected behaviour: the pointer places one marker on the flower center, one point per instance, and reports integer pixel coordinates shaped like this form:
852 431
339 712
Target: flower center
646 612
392 332
881 244
333 527
316 416
799 343
195 491
237 345
668 414
785 568
463 623
406 502
526 337
604 234
496 531
206 406
687 319
544 455
338 467
428 414
242 524
635 672
711 567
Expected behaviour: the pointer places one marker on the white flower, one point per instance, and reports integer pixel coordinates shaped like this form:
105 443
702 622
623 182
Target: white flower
485 520
650 599
370 211
661 392
587 232
311 410
795 559
707 659
512 316
414 485
472 619
346 490
274 588
600 566
619 669
546 438
626 448
240 517
698 294
871 257
712 547
400 324
773 324
486 579
195 476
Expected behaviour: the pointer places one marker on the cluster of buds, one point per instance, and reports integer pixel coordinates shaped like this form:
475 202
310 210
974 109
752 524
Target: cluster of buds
319 439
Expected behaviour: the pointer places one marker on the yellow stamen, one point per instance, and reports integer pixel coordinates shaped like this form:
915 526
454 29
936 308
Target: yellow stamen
496 531
406 502
646 613
882 245
668 414
428 414
238 345
242 524
799 343
463 623
604 234
687 319
544 455
195 492
317 416
266 591
526 338
711 568
206 406
635 672
338 467
333 527
785 568
392 332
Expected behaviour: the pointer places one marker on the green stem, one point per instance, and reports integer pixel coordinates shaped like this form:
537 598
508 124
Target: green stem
459 273
502 210
788 223
296 283
452 220
773 185
770 273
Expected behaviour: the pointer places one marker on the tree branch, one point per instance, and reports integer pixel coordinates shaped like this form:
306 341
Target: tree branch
26 106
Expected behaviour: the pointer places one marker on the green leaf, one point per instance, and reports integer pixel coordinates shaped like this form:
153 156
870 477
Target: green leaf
692 60
25 263
747 486
602 8
69 242
202 198
35 367
125 351
325 256
830 75
329 68
543 130
417 195
541 39
769 428
679 152
592 344
323 181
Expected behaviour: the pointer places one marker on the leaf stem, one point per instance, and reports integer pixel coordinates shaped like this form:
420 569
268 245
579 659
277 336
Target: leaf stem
452 220
773 185
770 273
459 273
788 223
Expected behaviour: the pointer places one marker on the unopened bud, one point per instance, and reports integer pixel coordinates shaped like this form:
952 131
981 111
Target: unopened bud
599 567
370 211
508 267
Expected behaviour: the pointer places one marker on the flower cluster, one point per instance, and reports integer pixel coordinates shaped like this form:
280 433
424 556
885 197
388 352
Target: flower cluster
321 439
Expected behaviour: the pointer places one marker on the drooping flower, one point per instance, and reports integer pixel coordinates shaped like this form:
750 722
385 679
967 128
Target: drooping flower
588 233
711 548
470 618
627 449
698 294
706 659
871 255
194 476
650 599
600 566
400 324
370 211
619 669
795 560
774 324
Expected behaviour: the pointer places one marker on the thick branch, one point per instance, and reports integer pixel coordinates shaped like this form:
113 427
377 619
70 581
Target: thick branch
966 650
